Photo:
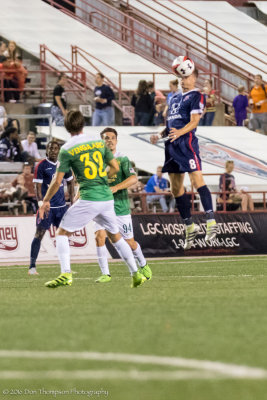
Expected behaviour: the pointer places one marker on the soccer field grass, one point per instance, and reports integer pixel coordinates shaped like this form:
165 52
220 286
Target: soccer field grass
145 343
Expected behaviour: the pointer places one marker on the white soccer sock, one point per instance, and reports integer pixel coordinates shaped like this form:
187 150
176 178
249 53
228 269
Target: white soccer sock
63 253
138 254
103 259
125 252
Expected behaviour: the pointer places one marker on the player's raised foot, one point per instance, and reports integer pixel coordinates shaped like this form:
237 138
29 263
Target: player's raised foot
137 279
103 279
146 271
190 234
32 271
211 230
62 280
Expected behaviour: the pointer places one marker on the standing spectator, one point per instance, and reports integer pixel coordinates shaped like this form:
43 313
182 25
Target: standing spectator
30 146
158 184
240 105
59 107
25 180
258 101
158 99
174 89
209 113
3 120
3 49
234 197
143 104
20 74
104 112
10 81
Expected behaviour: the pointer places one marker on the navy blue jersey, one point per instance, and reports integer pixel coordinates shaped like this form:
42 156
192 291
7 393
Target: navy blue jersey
44 173
182 105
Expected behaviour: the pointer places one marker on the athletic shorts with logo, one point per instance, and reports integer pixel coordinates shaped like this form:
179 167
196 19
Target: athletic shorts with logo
124 223
182 155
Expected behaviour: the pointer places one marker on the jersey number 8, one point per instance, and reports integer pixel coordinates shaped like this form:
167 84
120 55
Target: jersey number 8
91 168
192 163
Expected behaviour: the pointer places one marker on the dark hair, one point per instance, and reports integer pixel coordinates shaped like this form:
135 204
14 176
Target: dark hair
52 141
108 130
74 122
195 72
150 85
142 87
259 75
8 132
175 82
101 75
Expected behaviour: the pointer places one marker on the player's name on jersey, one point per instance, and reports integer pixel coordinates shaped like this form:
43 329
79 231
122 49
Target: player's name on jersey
87 146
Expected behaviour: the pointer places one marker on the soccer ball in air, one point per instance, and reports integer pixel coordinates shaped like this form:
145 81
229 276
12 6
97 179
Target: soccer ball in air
183 66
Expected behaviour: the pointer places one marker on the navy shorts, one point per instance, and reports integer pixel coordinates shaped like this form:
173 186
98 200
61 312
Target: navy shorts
53 218
182 155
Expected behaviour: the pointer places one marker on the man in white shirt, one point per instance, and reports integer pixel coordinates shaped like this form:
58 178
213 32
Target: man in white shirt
30 146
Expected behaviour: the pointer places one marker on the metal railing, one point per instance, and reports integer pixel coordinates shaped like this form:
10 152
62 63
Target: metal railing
159 45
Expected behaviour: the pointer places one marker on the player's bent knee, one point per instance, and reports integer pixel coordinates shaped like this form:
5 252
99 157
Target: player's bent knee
40 234
114 237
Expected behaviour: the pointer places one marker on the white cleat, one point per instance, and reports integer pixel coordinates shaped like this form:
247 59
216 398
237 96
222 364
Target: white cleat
190 234
32 271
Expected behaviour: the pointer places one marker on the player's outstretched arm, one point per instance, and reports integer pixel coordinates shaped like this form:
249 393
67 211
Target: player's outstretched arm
130 181
176 133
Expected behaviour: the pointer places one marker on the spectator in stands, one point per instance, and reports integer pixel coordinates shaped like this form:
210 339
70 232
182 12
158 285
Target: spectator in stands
240 105
21 75
158 99
210 109
24 181
158 184
10 81
3 120
143 104
30 147
174 88
258 101
59 107
12 51
10 146
104 112
3 49
234 197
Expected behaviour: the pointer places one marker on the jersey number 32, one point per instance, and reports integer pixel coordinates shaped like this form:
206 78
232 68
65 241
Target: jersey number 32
92 168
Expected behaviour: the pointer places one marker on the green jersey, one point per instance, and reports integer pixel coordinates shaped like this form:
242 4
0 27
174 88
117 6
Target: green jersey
121 198
88 157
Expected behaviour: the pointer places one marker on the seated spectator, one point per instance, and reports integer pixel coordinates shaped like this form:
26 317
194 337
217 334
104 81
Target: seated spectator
3 48
59 108
258 101
30 147
24 181
158 184
240 105
159 119
234 197
210 109
10 146
143 104
3 120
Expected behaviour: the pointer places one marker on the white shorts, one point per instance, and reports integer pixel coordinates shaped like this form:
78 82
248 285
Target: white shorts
124 223
84 211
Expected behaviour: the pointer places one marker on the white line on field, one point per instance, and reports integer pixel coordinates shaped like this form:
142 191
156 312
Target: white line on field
224 369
